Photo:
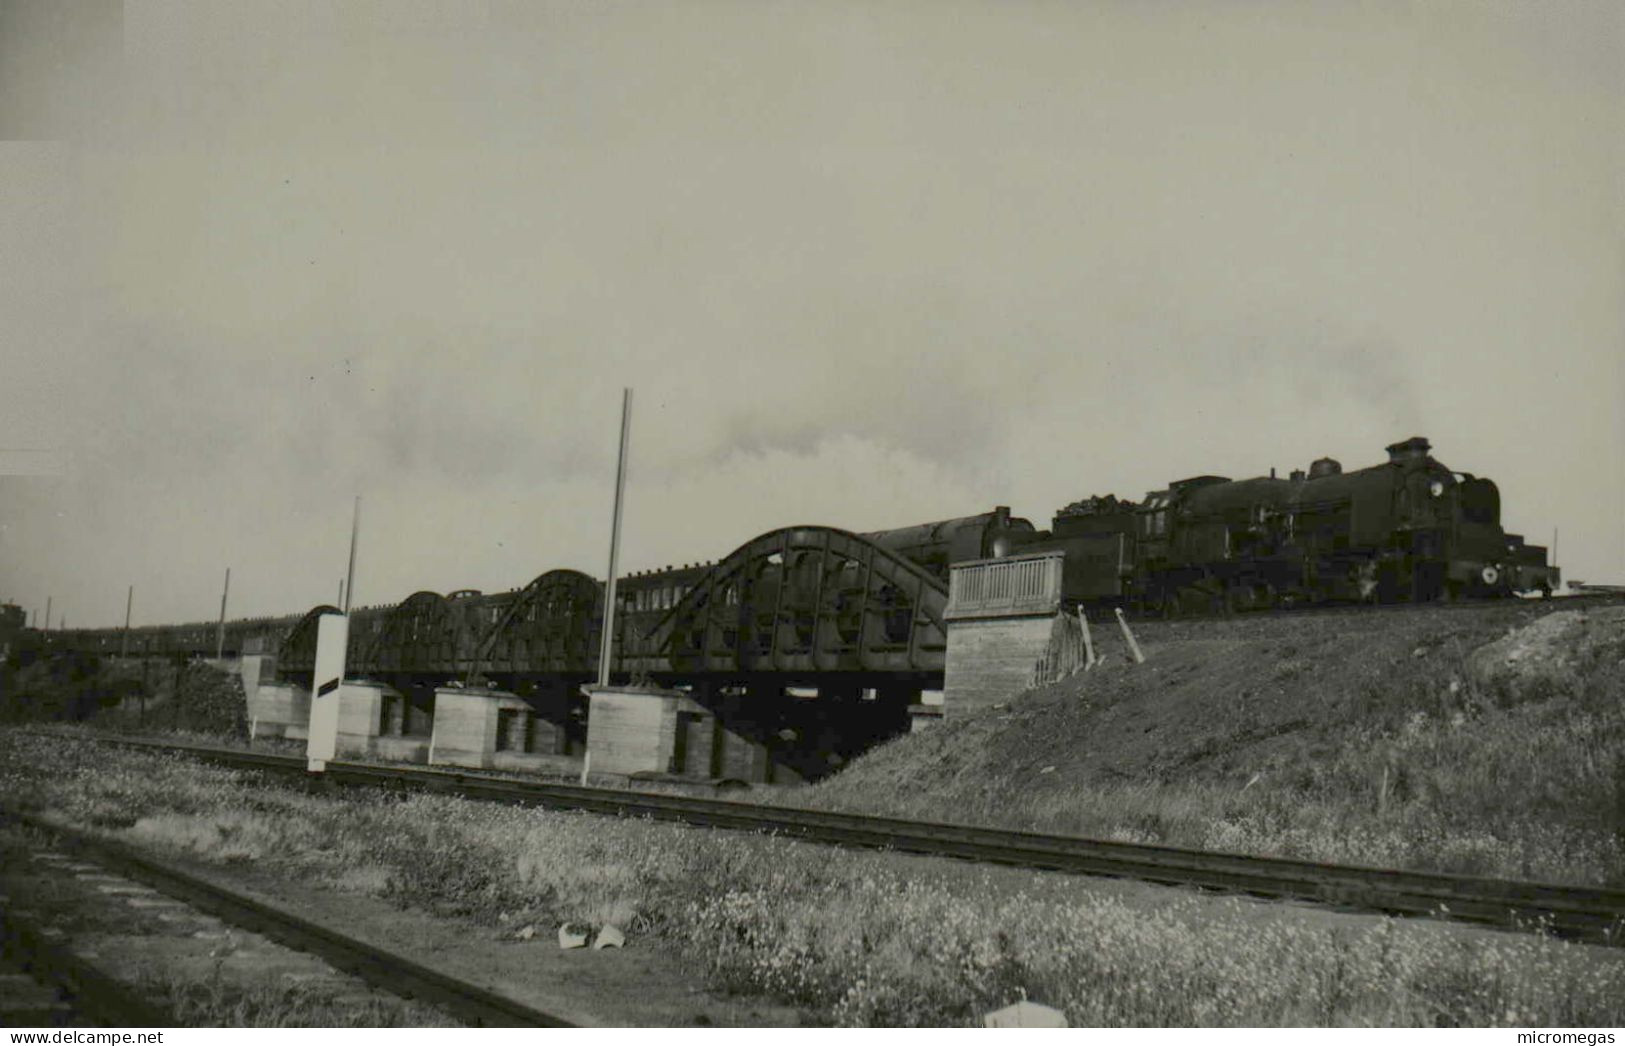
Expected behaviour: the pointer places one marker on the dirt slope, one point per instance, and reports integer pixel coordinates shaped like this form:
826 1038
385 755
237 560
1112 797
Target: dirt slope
1489 739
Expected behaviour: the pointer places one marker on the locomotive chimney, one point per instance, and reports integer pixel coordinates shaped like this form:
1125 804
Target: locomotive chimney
1404 452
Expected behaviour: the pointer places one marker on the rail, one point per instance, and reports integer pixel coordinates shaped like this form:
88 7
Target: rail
393 973
1592 914
88 994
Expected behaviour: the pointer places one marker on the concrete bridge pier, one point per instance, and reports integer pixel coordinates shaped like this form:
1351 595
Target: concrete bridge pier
276 707
377 720
706 730
487 728
400 720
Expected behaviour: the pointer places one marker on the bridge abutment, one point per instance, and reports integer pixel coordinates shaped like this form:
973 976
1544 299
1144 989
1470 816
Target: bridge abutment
1000 614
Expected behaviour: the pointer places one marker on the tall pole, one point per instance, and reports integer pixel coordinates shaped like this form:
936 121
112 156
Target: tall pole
47 613
220 631
349 581
129 601
607 640
341 592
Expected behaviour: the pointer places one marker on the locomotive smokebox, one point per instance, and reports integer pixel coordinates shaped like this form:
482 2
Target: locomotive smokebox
1407 451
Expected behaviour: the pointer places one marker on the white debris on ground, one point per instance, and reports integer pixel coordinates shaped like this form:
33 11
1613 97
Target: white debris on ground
1025 1014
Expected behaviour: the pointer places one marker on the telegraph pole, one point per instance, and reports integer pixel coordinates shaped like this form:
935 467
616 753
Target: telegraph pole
606 647
348 589
124 644
220 630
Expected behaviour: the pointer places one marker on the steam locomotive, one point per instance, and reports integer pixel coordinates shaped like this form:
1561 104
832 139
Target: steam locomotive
1409 529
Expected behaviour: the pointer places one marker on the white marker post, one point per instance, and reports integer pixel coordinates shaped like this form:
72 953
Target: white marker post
326 688
327 681
606 645
1133 647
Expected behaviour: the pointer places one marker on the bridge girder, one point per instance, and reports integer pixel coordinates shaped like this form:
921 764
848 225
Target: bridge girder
802 600
298 650
552 626
420 635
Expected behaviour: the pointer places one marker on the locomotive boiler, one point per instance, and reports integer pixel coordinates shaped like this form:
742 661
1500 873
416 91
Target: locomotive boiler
936 545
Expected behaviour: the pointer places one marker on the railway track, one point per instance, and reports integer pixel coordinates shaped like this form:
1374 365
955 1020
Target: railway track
1374 611
43 984
1589 914
393 973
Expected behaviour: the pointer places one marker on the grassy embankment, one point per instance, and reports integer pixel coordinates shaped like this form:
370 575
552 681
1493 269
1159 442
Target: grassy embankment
863 939
1400 739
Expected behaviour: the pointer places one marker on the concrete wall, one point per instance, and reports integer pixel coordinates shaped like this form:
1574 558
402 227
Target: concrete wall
279 710
468 728
1000 613
742 758
990 660
361 708
636 731
465 727
699 734
631 731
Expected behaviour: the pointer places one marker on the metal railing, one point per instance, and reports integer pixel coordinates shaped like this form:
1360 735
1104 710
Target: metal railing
999 587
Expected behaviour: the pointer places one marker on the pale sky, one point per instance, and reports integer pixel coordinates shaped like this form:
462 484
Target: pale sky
865 264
